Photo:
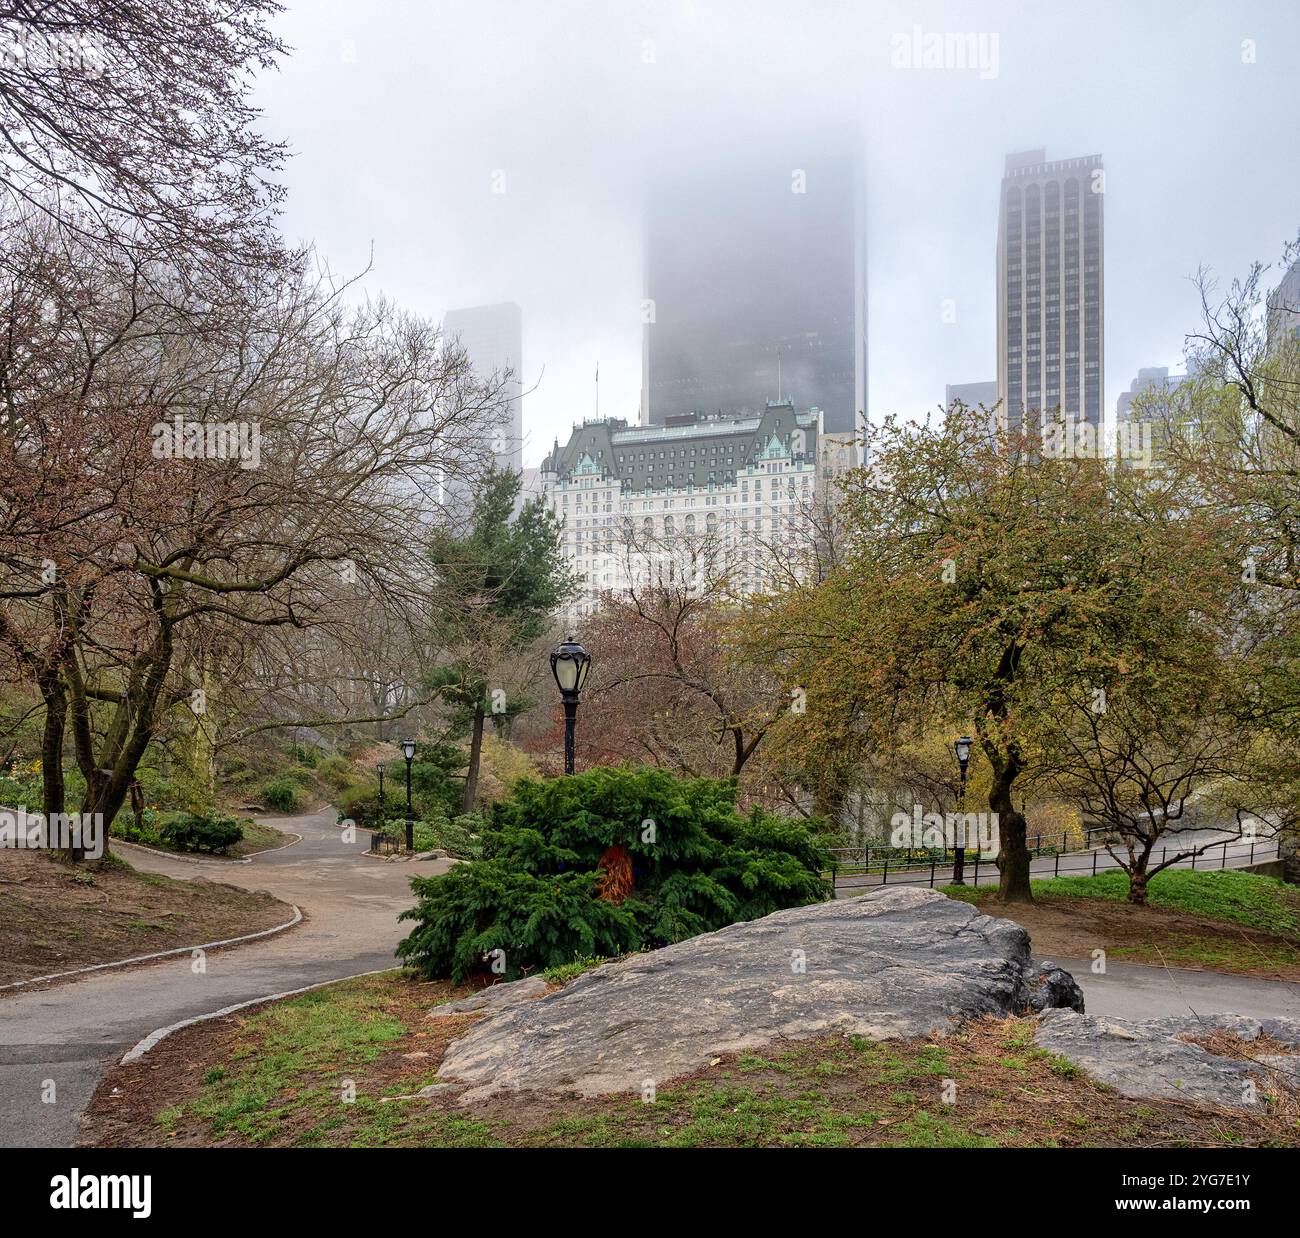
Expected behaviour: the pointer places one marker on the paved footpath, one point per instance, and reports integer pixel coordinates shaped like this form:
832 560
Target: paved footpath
67 1032
1136 991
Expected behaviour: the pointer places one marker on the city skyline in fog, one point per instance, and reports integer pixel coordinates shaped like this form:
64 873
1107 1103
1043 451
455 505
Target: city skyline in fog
518 143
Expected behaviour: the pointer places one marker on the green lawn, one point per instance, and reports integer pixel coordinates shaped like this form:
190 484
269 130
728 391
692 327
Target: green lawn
1262 903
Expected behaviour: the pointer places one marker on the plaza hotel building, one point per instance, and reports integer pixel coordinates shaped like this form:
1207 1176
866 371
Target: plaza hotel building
637 499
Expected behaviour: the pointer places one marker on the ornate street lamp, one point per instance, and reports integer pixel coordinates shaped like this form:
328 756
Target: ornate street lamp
408 751
383 813
962 748
569 664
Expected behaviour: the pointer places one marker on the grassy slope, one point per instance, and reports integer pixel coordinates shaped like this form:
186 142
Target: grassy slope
1220 920
54 917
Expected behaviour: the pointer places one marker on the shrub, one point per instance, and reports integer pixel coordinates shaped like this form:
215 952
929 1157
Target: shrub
672 858
361 804
336 771
146 833
22 787
195 832
458 837
280 793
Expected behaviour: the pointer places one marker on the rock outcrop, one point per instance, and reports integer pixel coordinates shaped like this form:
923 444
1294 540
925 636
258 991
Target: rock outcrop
1151 1058
892 963
1053 987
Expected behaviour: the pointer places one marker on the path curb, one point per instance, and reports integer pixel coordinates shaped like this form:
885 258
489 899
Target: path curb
160 1034
161 954
196 859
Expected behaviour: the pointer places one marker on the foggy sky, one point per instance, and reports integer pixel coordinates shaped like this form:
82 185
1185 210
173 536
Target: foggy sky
402 114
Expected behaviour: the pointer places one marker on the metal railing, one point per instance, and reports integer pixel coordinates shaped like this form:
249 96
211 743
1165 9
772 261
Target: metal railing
1038 844
1238 853
385 844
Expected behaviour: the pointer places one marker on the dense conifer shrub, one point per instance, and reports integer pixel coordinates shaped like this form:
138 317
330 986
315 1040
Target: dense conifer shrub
552 848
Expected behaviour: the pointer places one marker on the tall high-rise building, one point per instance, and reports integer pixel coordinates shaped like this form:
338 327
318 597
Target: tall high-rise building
975 396
1051 336
755 282
1284 310
493 337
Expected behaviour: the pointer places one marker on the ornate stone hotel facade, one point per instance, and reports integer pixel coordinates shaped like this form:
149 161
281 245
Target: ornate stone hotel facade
727 497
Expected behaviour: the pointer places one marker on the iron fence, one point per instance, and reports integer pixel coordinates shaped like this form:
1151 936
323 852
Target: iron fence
1239 853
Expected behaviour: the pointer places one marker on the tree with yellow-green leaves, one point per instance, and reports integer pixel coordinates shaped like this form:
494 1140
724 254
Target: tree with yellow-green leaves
984 580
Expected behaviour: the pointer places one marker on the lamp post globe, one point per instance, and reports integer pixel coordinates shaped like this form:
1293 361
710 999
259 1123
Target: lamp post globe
570 664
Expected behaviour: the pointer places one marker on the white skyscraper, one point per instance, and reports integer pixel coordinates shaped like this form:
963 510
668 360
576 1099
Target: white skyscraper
493 336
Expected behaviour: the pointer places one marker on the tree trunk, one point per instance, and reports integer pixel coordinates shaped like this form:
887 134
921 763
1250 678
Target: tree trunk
1013 852
475 755
1137 885
1288 851
53 790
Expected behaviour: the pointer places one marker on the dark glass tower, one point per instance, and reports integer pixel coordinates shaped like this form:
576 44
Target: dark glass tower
755 283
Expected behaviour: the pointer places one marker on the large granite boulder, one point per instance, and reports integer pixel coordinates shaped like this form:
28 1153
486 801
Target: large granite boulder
1152 1058
895 962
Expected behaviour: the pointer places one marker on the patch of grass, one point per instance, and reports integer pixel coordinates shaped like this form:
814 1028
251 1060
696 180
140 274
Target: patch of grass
571 971
1228 954
1257 902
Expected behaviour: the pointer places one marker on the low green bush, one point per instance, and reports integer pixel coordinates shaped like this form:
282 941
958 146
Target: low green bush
147 833
695 864
21 789
336 771
280 793
195 832
360 804
459 837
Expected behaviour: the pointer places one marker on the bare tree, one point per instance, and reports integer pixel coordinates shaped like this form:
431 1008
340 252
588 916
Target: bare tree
131 121
211 477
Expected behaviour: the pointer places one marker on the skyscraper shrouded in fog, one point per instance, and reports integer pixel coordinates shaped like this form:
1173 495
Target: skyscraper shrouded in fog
493 338
1051 328
755 282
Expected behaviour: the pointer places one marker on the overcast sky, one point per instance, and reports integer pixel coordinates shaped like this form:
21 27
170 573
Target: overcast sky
404 116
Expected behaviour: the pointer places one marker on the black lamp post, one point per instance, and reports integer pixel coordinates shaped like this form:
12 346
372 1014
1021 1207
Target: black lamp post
962 748
569 664
383 809
408 751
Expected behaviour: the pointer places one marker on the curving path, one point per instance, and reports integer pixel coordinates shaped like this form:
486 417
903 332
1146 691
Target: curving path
66 1032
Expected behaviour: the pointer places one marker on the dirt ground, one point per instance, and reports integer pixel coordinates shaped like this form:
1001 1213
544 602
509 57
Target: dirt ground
1072 928
54 917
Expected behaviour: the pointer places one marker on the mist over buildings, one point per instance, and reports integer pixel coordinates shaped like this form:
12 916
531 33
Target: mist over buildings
527 154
